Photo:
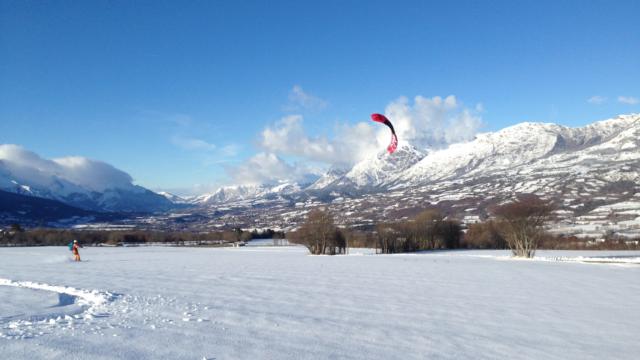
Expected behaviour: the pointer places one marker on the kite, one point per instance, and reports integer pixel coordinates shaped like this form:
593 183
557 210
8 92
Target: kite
394 139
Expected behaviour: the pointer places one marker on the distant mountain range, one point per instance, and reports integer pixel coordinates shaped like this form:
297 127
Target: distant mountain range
518 153
593 172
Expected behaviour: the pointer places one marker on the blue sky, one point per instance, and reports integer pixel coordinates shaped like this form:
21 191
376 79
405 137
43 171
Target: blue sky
178 94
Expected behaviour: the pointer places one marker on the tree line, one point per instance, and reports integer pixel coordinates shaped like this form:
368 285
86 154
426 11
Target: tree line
15 235
518 225
429 230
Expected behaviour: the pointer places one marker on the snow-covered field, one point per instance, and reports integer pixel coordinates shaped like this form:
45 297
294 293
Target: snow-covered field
280 303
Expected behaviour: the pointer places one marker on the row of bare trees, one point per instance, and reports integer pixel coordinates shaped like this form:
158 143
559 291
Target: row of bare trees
517 225
428 230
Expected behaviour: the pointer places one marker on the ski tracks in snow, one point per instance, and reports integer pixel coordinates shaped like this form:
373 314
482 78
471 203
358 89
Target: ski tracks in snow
75 307
102 313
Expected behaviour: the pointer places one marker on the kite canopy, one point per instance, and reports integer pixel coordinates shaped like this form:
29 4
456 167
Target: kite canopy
394 139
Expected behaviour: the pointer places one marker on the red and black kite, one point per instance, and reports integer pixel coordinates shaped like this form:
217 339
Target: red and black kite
394 139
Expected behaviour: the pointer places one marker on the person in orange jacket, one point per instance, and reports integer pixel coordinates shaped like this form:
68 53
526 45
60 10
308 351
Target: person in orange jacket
76 254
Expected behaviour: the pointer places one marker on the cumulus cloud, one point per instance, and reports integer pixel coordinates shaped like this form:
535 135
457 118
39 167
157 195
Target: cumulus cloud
433 122
629 100
350 144
288 137
354 143
266 167
26 166
597 100
302 100
424 122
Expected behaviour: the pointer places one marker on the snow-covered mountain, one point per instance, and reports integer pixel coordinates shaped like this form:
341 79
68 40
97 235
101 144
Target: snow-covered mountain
514 154
76 181
379 169
176 199
593 172
247 192
526 145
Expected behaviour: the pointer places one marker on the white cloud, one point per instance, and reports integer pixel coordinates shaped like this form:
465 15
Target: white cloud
301 100
433 122
428 122
597 100
288 137
350 144
424 122
86 173
189 143
266 167
629 100
354 143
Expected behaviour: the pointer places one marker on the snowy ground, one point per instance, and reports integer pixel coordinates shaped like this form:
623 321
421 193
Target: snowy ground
279 303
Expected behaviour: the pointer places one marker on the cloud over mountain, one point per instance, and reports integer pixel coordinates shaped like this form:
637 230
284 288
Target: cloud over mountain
269 168
433 122
424 122
74 180
90 174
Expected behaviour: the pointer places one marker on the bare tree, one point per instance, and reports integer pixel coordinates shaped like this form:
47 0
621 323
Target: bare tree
320 234
386 235
427 231
428 227
484 235
521 222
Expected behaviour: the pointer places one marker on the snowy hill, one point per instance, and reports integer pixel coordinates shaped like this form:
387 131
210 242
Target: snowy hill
76 181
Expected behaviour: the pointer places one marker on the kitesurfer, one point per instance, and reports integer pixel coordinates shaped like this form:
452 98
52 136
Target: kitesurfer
74 249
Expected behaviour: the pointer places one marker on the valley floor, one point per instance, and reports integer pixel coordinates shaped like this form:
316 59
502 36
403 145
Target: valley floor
280 303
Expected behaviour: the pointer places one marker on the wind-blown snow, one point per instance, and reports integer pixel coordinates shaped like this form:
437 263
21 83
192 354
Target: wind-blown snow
280 303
